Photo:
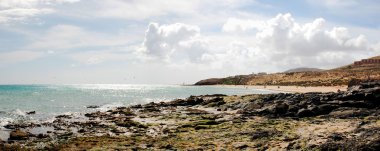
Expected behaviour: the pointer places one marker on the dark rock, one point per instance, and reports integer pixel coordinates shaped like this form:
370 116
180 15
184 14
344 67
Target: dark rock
124 111
305 113
325 109
356 104
214 101
92 106
64 116
336 137
138 106
81 130
349 112
252 106
151 109
191 101
293 108
40 136
369 140
31 112
198 127
96 114
18 135
241 146
281 108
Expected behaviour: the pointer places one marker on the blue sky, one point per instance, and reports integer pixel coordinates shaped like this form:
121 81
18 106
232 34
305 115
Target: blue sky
178 41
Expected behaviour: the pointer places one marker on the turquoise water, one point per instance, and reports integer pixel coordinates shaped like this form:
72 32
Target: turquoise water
51 100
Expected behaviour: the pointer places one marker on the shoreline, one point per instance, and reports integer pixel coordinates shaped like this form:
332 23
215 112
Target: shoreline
280 121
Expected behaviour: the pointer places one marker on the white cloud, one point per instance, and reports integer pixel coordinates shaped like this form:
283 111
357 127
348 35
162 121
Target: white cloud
98 57
142 9
285 36
16 10
242 25
256 45
147 9
294 44
19 56
334 3
174 42
63 37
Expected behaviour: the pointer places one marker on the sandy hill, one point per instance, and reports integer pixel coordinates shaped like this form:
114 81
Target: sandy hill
377 57
337 76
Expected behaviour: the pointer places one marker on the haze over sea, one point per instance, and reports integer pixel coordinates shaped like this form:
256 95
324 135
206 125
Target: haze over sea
51 100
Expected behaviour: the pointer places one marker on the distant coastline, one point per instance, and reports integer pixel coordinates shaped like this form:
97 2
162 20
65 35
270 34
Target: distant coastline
341 76
291 89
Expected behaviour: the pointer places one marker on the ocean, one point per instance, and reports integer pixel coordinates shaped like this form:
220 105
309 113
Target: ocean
50 100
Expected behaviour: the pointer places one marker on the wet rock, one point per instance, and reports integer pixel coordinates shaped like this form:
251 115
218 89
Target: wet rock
18 135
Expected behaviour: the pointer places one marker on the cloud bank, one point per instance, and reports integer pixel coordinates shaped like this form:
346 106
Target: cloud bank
276 43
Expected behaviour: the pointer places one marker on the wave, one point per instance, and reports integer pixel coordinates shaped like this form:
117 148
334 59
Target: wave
5 120
18 112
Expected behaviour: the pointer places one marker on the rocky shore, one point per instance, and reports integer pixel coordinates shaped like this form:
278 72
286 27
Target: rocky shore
346 120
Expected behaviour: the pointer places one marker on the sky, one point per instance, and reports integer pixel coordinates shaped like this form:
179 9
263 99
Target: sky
178 41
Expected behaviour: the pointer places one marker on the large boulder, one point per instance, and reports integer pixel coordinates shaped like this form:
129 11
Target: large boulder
18 135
